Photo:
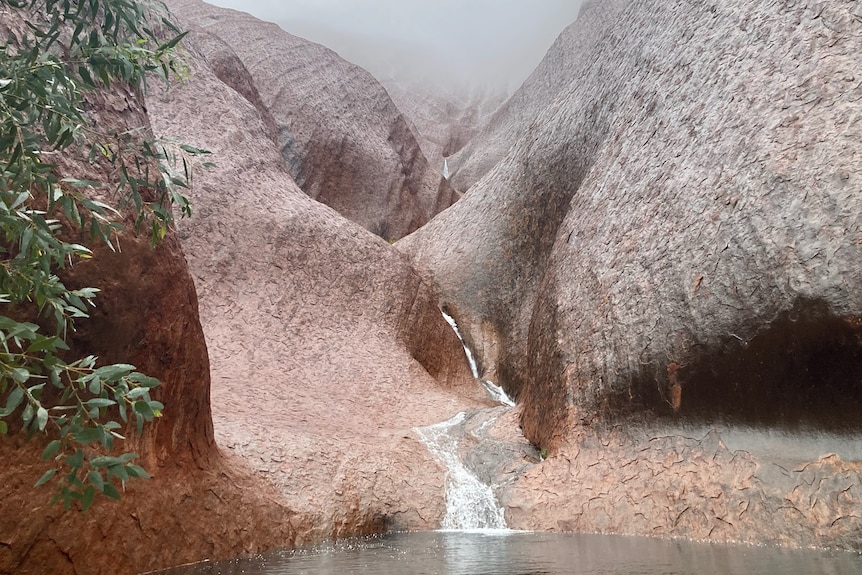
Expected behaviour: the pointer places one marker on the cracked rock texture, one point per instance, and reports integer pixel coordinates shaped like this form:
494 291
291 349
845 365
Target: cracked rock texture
689 485
146 314
677 234
341 138
566 60
326 346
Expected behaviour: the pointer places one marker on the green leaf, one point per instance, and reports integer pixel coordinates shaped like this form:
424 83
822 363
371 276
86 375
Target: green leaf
144 380
137 471
105 461
137 393
46 477
143 407
111 491
19 374
41 418
119 472
13 401
114 372
87 435
51 449
100 402
87 497
95 478
75 461
27 415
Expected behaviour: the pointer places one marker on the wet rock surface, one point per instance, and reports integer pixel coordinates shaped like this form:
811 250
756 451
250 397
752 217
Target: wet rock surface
146 314
342 139
445 120
568 59
689 484
325 344
675 235
674 240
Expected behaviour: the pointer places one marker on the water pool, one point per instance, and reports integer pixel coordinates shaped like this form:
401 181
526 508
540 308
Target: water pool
519 553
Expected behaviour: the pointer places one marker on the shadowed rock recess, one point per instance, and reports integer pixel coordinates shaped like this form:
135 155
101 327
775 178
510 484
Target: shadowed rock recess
677 239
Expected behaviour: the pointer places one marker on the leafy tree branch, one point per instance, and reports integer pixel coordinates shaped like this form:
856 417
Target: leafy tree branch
60 52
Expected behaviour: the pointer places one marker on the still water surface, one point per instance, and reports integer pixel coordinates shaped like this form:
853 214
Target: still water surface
519 553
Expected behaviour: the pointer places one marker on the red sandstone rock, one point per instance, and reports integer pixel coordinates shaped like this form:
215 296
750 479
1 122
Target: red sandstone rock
678 232
568 58
326 346
342 139
445 120
146 314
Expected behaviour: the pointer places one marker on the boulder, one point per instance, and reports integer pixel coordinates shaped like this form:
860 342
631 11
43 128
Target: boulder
342 139
676 236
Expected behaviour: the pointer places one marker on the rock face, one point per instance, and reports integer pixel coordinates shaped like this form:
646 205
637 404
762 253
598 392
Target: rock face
147 315
342 139
326 346
444 121
567 59
677 235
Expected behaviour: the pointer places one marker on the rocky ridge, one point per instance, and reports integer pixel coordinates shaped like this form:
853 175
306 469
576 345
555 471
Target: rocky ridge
326 346
146 314
567 59
444 121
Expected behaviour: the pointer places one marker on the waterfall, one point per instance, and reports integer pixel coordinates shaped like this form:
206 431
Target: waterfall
470 504
446 168
495 391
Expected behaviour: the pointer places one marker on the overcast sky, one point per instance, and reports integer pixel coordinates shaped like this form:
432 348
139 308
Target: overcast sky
485 41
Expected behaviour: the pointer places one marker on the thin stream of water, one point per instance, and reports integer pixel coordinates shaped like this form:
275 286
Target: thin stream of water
495 391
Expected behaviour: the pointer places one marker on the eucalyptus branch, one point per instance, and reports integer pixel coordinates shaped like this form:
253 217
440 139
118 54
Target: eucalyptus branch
68 49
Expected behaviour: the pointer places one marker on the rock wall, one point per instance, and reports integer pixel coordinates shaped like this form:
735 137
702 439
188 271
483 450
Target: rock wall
342 139
677 228
196 504
326 345
567 59
445 120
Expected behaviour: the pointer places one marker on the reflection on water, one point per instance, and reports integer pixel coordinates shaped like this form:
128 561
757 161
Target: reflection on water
510 553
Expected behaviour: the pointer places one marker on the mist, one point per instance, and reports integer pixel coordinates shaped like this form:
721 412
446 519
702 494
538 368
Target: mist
454 43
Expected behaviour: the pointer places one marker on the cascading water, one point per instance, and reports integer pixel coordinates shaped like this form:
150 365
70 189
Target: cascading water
470 504
495 391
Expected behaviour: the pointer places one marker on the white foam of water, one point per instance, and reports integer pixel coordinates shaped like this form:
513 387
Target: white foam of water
495 391
474 369
470 504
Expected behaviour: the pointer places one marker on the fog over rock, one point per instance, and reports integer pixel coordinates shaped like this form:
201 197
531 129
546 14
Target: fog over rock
677 235
342 139
444 120
568 58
